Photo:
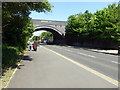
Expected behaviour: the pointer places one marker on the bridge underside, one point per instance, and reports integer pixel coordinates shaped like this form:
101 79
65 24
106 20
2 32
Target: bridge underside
58 38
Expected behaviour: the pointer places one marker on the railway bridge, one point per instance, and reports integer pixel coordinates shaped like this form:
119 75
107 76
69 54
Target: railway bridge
57 28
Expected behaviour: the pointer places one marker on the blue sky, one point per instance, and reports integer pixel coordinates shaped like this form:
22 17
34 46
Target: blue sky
62 10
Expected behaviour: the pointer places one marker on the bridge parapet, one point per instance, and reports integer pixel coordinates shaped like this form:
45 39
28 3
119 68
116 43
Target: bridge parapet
58 25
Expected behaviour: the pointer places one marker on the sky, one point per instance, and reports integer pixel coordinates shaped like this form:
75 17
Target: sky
62 10
37 33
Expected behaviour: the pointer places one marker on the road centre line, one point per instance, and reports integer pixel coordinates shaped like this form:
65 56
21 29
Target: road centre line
87 55
68 50
115 82
115 62
78 53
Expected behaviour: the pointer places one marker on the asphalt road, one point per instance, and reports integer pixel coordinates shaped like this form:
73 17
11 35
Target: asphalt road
104 63
48 69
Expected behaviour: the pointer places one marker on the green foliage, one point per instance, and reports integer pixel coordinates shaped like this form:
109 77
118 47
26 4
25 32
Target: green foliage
34 38
17 27
47 35
9 56
106 22
103 24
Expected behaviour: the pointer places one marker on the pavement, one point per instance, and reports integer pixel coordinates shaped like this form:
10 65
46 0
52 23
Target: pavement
113 52
46 69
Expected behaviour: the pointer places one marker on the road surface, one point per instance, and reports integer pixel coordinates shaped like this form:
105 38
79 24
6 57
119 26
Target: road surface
65 67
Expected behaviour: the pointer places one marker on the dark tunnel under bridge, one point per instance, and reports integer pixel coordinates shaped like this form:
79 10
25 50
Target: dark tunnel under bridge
57 28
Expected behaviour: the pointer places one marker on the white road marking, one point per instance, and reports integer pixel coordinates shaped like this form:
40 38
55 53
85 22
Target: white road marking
12 75
115 62
86 55
68 50
78 52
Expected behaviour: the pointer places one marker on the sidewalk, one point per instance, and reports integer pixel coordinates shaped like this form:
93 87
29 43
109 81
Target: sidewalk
113 52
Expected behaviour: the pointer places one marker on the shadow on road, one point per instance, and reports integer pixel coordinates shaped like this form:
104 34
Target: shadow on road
27 58
19 67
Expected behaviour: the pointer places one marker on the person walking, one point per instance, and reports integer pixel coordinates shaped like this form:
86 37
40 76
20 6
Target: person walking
35 46
29 45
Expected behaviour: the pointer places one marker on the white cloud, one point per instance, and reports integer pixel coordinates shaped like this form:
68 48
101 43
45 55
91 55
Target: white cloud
38 33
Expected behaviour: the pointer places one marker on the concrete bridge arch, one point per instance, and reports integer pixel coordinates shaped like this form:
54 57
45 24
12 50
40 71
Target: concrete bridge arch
57 36
57 28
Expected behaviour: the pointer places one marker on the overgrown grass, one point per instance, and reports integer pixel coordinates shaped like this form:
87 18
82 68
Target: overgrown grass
6 77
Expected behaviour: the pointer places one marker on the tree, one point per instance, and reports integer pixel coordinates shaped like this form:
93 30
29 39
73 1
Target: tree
47 35
106 22
87 16
102 25
16 24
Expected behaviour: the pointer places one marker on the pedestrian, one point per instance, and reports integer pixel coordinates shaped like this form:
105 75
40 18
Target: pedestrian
29 45
35 46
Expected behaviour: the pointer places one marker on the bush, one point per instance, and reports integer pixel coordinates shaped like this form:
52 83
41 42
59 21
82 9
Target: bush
9 56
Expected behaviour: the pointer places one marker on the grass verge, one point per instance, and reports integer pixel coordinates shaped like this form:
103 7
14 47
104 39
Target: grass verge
6 77
10 59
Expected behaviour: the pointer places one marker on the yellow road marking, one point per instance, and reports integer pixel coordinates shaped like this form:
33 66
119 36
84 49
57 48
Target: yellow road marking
115 82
